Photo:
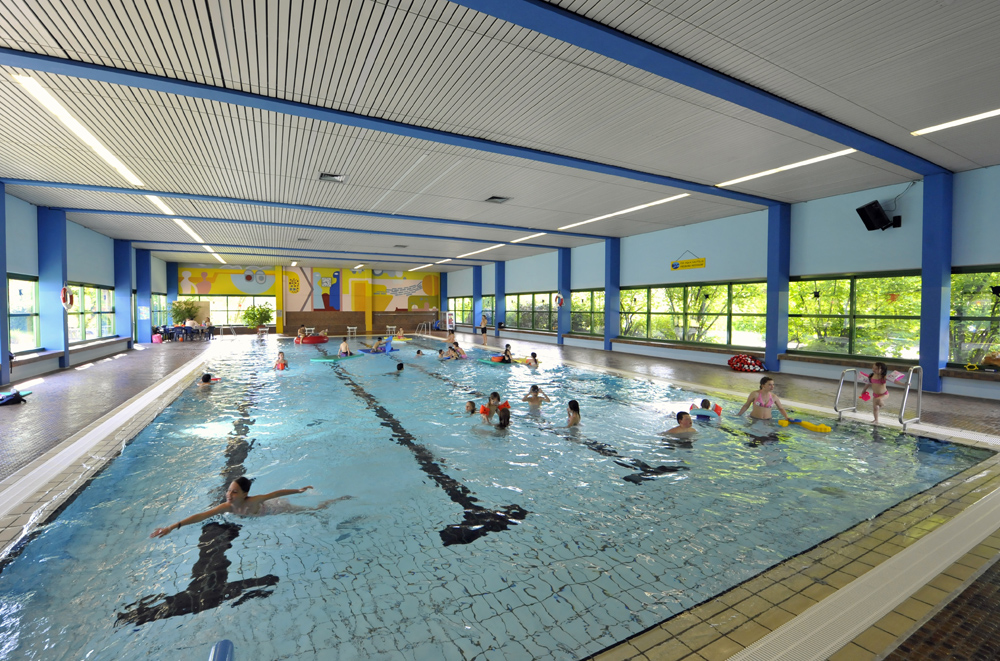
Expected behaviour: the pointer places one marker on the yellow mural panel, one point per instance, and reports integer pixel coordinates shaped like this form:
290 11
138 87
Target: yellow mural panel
199 279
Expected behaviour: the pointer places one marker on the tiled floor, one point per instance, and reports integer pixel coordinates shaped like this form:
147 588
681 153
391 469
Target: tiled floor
66 402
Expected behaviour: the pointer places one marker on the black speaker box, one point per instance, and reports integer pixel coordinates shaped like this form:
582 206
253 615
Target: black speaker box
874 216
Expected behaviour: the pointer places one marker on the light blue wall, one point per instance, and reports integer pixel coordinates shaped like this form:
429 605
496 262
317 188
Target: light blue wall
460 283
734 248
489 279
22 236
828 236
587 267
976 219
90 257
531 274
159 276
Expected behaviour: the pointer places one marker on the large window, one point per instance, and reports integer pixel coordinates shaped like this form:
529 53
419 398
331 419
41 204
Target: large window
531 311
228 310
22 306
730 313
160 312
92 316
975 316
587 312
489 307
867 316
462 307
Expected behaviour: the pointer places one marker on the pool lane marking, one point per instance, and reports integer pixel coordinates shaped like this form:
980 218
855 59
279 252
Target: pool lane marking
478 520
210 586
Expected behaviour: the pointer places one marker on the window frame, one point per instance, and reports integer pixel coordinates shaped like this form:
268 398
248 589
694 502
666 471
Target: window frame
36 315
592 312
78 289
952 318
530 313
269 300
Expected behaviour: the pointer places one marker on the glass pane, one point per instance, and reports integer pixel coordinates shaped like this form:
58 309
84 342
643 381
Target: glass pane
706 313
488 306
827 297
74 327
633 312
669 299
466 317
580 301
217 310
825 334
634 300
597 320
524 311
580 322
107 324
972 340
23 333
90 299
749 298
92 322
235 307
107 300
972 295
510 304
748 331
511 320
893 338
21 296
543 321
888 296
666 326
599 302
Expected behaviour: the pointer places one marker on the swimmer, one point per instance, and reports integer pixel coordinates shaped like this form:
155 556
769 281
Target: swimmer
239 502
281 363
573 411
683 425
325 332
503 418
706 405
535 396
206 380
880 393
507 357
459 352
531 361
399 370
378 347
470 407
420 354
443 356
451 337
763 401
492 406
302 330
399 333
345 349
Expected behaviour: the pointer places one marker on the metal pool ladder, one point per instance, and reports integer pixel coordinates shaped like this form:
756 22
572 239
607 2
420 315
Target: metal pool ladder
836 402
423 327
920 395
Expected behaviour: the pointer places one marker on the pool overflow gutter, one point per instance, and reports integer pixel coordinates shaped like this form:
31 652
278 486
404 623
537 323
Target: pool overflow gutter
210 586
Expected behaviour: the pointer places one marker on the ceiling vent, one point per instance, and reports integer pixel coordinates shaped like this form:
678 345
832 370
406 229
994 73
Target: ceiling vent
335 178
301 239
496 199
399 246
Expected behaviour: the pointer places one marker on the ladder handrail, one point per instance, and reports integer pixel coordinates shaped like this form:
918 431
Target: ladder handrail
920 395
836 402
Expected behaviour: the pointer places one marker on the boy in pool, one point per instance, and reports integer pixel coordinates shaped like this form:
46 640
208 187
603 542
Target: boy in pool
379 346
241 503
206 380
683 425
420 354
345 349
535 397
280 363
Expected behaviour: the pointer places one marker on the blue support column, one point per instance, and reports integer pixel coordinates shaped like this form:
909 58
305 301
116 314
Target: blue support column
444 298
564 284
499 296
123 288
612 290
172 275
143 295
4 303
779 257
52 274
935 271
477 294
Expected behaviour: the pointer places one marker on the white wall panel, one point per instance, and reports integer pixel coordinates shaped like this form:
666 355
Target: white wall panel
90 257
460 283
22 236
587 267
976 221
159 275
531 274
489 279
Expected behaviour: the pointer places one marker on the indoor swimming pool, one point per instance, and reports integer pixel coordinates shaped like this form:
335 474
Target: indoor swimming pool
459 541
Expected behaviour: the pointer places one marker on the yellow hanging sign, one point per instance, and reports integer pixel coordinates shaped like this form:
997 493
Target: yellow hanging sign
684 264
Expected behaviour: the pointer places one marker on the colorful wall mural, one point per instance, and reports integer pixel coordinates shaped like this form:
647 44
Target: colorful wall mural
345 290
230 280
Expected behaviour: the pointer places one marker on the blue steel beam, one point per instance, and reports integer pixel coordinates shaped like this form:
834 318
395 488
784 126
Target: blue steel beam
499 296
293 252
272 223
85 70
935 279
279 256
286 205
779 259
4 306
556 22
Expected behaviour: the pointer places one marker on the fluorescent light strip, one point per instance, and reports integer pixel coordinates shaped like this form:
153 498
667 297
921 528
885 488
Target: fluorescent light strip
420 267
218 256
57 109
161 205
358 266
957 122
818 159
623 211
499 245
533 236
443 261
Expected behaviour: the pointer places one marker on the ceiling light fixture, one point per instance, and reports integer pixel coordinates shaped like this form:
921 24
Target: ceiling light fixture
810 161
496 199
624 211
295 263
499 245
190 232
335 178
358 266
57 109
525 238
218 257
443 261
160 204
420 267
957 122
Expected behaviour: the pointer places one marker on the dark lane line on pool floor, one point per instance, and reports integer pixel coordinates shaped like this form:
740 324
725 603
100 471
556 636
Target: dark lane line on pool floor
210 586
478 519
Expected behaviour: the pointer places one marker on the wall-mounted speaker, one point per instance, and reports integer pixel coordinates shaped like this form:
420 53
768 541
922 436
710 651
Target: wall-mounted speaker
874 216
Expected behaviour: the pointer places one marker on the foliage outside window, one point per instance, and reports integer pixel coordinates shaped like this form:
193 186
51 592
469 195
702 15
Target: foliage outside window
159 312
587 312
975 316
728 313
22 311
875 316
228 310
462 307
92 316
532 311
489 306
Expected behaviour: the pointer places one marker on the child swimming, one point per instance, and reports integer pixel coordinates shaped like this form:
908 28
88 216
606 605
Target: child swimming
535 396
280 363
684 425
345 349
573 413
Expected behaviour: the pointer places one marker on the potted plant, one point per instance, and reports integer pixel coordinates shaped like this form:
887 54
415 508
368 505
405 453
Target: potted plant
182 310
257 316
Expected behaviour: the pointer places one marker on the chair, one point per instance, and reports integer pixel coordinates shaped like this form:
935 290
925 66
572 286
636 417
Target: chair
352 331
310 330
390 330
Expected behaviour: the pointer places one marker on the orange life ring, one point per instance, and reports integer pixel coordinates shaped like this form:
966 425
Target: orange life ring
66 298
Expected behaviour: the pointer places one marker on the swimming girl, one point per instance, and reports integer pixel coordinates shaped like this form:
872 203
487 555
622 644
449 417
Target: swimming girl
503 418
880 393
345 349
492 406
531 361
763 401
281 363
470 407
239 502
459 352
683 425
399 333
573 410
535 396
507 357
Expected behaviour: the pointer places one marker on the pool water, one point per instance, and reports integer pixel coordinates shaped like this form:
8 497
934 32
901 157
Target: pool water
460 541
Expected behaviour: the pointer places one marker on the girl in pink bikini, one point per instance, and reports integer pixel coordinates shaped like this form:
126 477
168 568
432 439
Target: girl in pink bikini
880 393
763 401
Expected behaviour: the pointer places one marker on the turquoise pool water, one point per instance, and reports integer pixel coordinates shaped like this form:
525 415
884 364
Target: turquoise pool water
460 541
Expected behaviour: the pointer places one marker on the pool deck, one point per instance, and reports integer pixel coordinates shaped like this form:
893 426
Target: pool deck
950 611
